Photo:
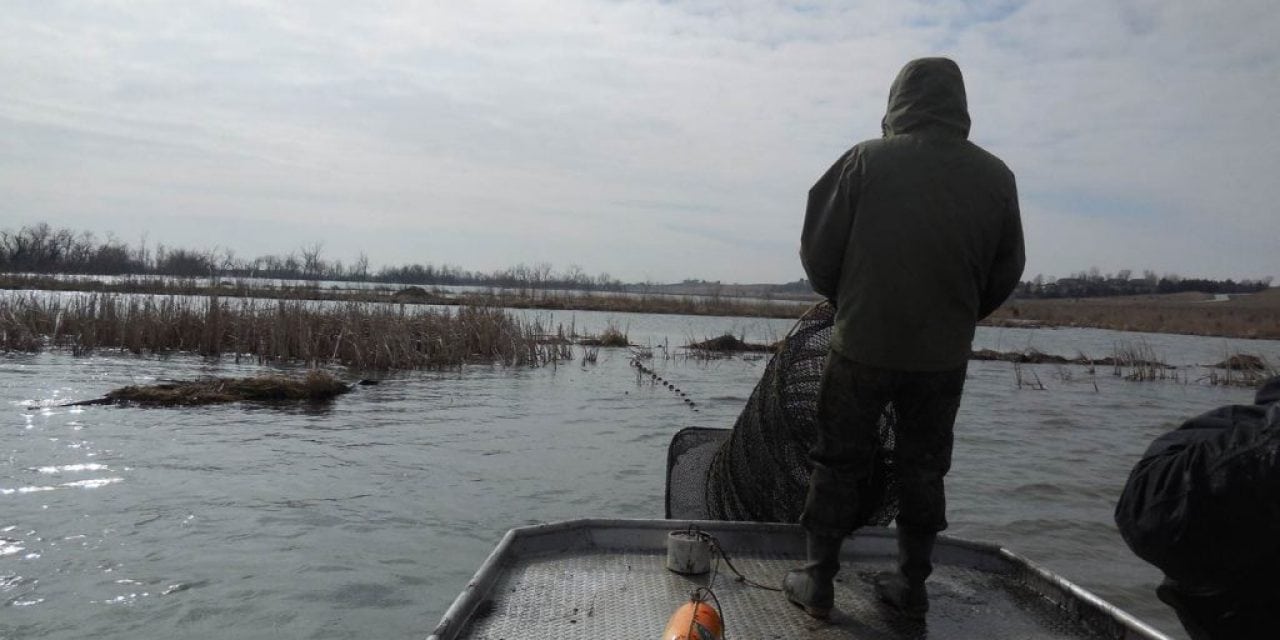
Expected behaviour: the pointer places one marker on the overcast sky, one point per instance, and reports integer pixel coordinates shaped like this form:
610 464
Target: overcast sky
651 140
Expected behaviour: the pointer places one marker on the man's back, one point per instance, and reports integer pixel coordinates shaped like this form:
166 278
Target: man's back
916 235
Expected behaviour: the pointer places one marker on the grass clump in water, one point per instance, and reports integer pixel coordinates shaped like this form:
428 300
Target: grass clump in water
729 343
316 386
1242 370
612 336
1139 362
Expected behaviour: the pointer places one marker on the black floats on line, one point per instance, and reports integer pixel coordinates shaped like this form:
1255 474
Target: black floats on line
653 375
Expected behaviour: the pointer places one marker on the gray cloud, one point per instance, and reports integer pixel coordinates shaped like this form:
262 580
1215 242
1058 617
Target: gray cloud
647 139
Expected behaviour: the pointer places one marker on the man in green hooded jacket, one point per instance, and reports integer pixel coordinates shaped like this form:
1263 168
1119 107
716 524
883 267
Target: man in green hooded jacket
915 237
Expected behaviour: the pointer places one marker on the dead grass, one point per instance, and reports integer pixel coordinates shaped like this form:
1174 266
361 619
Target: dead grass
1123 355
1241 370
1138 362
1243 316
315 386
532 299
361 336
729 343
1134 361
1242 362
612 336
1029 356
1030 382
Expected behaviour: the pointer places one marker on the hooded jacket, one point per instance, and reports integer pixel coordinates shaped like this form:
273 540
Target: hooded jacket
916 235
1203 503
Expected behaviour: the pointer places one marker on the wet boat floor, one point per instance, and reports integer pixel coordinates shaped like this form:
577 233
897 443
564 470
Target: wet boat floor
630 594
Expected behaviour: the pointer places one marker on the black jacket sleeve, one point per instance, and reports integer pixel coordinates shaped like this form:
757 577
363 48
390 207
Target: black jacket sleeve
828 221
1010 258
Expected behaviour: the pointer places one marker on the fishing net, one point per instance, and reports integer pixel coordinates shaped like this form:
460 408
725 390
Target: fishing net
759 470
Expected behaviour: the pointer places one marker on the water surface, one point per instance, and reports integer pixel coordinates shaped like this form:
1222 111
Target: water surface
366 517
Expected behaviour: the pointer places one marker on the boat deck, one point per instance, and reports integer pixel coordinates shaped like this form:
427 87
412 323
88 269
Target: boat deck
608 579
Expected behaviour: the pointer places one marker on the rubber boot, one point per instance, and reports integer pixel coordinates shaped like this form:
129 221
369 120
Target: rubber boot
905 589
813 586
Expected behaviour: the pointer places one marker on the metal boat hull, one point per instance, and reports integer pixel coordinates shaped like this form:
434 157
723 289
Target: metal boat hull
607 579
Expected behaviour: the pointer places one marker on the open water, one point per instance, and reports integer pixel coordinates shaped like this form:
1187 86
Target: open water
366 517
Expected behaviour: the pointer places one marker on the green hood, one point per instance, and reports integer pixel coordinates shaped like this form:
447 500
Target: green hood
927 94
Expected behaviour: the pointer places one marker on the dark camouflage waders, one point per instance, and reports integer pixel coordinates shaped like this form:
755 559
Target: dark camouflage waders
852 398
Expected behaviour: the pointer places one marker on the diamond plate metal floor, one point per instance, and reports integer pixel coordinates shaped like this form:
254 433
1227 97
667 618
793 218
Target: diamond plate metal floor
631 595
580 582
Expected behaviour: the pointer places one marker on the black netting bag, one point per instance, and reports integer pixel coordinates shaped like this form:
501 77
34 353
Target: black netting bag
759 471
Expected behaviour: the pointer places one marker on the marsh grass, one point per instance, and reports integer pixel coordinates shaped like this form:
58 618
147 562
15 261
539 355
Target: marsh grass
1135 361
1031 381
1138 362
1243 316
1027 356
1241 370
357 335
612 336
414 295
729 343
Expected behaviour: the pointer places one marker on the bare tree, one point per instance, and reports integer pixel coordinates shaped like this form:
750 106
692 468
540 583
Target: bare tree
143 256
577 277
312 265
541 274
360 270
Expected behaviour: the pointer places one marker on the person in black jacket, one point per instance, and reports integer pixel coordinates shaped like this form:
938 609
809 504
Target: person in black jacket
915 237
1203 505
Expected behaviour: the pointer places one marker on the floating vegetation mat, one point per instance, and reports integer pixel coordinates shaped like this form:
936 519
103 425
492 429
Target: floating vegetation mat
1242 370
1242 362
729 343
316 386
1032 356
611 337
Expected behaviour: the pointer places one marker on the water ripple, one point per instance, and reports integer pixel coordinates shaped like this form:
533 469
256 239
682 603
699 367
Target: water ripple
368 519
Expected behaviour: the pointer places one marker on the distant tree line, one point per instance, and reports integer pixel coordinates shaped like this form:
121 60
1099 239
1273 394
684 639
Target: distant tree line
1093 283
42 249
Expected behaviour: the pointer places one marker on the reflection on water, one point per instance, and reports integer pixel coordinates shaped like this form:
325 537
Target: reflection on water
67 468
78 484
366 517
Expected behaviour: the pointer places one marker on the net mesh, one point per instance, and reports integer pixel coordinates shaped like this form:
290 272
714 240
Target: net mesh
759 471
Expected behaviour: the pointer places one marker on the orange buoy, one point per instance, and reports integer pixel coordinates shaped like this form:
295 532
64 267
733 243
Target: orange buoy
695 620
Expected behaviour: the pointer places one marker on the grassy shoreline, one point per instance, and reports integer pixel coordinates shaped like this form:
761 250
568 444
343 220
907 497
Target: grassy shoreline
1241 316
386 337
666 304
1249 316
355 335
